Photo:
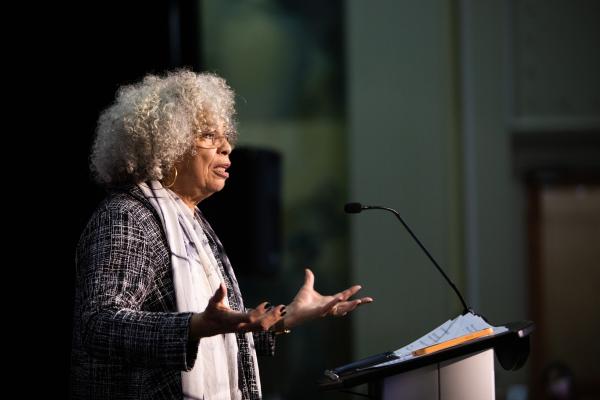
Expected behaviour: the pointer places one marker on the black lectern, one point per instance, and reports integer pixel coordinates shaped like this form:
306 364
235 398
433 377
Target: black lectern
461 372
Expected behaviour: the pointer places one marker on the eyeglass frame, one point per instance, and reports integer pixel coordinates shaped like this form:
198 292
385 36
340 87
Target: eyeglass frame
218 140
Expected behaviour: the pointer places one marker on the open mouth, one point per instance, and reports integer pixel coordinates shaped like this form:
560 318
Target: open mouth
221 170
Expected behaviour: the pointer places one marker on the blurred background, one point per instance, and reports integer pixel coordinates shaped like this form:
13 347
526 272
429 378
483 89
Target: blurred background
478 121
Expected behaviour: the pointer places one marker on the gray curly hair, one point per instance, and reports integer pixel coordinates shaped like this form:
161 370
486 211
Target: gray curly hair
153 123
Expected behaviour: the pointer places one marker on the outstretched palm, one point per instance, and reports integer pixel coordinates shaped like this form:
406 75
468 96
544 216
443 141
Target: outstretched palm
310 304
219 318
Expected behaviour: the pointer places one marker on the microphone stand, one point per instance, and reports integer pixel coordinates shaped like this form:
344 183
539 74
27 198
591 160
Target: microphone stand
354 208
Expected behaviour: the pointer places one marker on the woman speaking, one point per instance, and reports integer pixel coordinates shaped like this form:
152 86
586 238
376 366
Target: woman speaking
158 310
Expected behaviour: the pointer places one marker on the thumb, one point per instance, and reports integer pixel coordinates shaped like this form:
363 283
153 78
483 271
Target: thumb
309 278
219 295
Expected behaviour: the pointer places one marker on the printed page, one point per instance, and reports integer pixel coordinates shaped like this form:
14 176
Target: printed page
453 328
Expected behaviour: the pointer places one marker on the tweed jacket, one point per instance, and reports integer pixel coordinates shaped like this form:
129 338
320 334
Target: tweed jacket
129 342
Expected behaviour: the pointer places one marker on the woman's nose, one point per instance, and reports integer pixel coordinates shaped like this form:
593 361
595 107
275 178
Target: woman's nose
225 148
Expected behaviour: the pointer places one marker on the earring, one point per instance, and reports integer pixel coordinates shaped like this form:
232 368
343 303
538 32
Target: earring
174 179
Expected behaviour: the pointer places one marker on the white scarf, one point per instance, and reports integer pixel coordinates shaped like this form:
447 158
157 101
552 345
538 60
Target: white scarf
196 277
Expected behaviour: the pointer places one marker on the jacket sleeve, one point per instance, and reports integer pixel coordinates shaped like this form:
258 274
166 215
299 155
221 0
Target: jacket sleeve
264 343
117 266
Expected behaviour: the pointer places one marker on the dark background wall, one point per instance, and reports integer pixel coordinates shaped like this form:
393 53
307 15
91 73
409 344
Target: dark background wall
79 55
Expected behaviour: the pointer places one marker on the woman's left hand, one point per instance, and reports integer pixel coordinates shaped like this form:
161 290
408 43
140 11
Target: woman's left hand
310 304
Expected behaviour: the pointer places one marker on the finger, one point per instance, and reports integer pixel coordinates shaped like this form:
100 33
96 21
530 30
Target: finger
351 291
273 316
309 278
261 311
265 320
347 306
264 306
260 318
329 306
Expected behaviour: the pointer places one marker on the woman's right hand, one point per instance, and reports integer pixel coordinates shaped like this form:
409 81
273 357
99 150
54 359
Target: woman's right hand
218 318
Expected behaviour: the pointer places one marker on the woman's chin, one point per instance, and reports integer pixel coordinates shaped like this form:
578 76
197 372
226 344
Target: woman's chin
217 187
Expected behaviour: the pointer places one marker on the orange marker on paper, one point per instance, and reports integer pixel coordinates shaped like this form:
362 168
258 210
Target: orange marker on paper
453 342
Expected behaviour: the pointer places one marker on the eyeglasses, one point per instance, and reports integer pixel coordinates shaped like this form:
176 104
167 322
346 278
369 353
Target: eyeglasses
212 140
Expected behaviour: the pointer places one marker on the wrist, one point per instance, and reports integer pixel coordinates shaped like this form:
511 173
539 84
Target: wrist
280 327
291 319
195 326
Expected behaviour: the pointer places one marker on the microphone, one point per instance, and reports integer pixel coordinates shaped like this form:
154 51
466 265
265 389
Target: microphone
355 208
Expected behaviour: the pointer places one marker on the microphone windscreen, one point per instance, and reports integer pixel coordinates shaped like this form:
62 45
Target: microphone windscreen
353 208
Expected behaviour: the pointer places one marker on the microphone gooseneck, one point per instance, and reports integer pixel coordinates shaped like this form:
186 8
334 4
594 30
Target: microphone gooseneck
355 208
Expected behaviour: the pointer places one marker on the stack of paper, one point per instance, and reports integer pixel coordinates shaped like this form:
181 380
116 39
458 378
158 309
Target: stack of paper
452 332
